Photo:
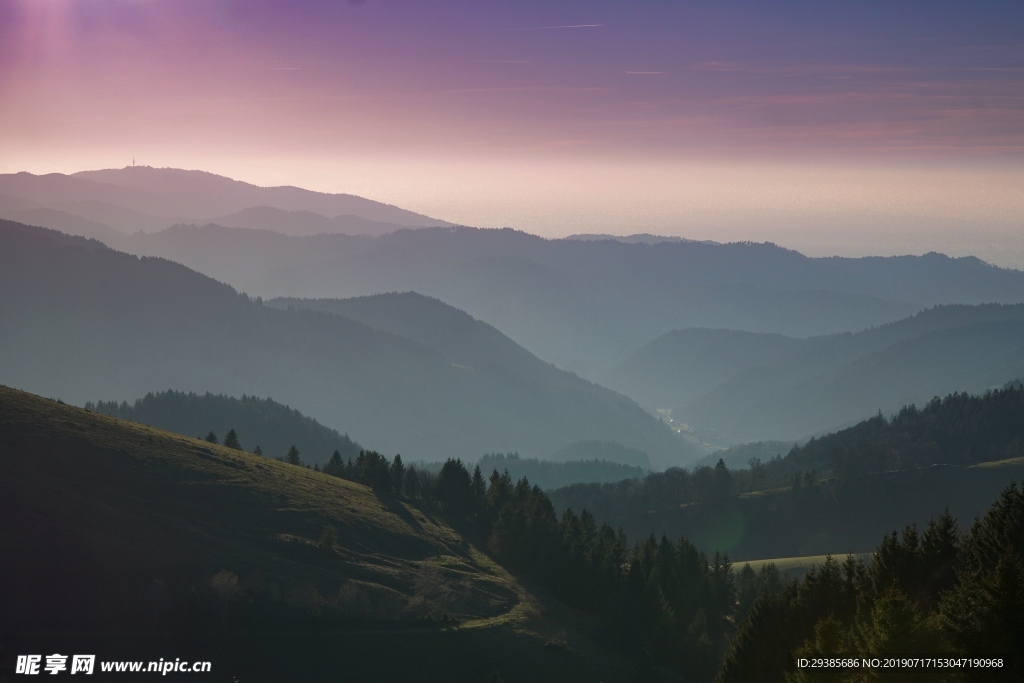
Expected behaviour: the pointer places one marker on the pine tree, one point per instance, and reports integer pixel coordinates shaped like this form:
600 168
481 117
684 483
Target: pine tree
292 457
397 472
231 440
453 487
479 488
257 451
894 627
211 437
335 466
831 639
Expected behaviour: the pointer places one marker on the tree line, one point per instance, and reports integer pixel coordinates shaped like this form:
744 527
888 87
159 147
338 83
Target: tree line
959 429
673 607
666 603
939 593
260 424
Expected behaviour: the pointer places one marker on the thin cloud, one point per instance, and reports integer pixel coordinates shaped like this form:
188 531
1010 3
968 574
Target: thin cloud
790 69
647 73
554 28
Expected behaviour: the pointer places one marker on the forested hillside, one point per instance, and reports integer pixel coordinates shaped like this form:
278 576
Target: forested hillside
959 429
261 425
834 494
928 592
555 474
368 562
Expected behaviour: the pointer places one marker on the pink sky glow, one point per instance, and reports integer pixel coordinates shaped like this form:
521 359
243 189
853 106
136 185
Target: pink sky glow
873 129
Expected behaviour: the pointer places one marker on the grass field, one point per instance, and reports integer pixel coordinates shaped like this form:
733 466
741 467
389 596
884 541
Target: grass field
798 566
120 536
996 464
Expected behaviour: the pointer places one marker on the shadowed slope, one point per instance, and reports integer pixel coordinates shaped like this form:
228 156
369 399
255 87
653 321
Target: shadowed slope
139 504
133 542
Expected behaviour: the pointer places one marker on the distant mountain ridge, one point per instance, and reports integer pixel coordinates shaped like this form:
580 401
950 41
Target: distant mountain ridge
474 346
583 303
83 320
299 223
587 305
141 198
751 386
637 238
205 195
464 341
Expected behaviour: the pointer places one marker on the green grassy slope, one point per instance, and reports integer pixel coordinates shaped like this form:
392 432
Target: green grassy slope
117 535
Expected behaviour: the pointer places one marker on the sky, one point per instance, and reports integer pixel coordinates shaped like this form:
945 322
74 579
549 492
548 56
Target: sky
830 127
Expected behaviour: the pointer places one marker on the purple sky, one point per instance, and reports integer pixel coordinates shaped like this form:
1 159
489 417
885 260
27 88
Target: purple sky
809 123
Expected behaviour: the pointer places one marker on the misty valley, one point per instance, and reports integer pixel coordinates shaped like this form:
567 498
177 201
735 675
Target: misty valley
307 436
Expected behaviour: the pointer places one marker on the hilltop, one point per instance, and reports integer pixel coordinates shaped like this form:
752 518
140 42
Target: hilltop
106 202
164 540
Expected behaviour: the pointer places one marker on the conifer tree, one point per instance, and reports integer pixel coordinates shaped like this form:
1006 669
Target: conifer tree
292 457
453 487
831 639
231 440
479 487
335 466
211 437
397 472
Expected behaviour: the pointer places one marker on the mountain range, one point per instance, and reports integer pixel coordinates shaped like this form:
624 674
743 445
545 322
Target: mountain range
584 303
587 305
82 321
